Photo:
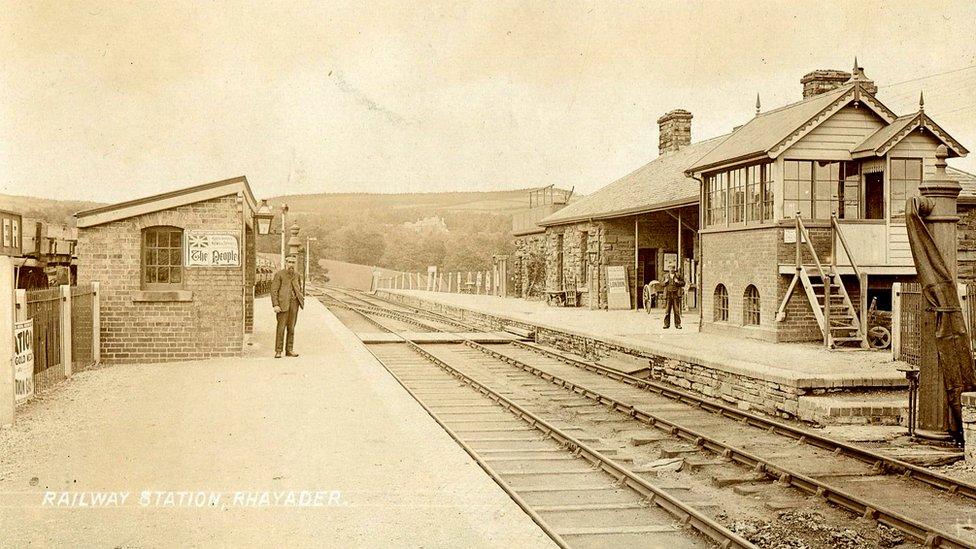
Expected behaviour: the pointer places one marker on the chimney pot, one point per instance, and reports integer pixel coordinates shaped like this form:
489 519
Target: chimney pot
674 130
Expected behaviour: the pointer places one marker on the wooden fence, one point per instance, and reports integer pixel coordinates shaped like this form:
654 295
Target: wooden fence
496 281
66 330
44 307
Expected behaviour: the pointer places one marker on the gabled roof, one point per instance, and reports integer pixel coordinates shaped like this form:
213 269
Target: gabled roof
771 132
165 201
658 185
881 141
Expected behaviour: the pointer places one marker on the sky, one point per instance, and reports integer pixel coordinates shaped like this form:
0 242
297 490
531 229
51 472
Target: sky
109 101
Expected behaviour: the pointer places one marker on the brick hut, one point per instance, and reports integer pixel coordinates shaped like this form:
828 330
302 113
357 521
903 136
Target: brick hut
176 271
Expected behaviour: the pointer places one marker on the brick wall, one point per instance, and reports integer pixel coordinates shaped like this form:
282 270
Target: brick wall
250 273
737 259
208 326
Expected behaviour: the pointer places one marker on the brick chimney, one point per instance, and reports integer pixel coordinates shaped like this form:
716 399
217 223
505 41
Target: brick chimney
674 130
822 81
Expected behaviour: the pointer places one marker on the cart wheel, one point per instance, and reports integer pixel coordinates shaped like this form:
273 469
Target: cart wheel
879 337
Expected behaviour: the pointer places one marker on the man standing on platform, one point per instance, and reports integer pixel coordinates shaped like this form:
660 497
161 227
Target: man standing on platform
287 299
673 284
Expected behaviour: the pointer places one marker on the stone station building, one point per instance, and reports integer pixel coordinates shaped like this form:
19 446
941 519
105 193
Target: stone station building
176 271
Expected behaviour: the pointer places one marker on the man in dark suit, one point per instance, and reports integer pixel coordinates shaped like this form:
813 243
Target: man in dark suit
287 299
674 285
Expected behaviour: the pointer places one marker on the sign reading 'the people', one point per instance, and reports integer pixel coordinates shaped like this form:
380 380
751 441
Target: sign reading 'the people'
23 360
212 249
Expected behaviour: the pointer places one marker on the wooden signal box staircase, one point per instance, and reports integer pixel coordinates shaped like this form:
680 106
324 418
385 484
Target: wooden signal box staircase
840 322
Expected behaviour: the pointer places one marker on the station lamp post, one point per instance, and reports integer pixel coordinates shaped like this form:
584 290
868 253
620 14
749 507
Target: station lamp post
284 217
264 218
308 253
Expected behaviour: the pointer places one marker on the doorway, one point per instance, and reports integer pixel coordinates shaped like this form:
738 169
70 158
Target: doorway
874 196
647 264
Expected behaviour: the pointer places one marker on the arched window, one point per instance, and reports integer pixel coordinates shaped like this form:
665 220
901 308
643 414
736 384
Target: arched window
162 258
750 314
721 304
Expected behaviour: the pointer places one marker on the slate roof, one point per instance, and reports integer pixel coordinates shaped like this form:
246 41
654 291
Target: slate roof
658 185
767 129
163 201
967 181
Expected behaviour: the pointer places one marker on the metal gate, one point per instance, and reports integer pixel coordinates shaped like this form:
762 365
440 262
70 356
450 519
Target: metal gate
82 327
44 306
910 325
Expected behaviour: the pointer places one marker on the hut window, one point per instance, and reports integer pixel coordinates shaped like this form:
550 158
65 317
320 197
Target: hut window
751 302
162 258
721 304
906 175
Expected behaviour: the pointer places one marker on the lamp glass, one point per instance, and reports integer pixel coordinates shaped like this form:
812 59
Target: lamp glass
264 225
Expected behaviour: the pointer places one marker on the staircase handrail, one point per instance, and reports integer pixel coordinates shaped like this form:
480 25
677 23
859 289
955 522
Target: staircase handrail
843 244
806 236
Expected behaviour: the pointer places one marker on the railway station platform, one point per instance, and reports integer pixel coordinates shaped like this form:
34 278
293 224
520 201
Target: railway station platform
248 430
797 380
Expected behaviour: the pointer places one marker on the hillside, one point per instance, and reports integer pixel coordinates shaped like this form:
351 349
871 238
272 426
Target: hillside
498 202
408 232
60 212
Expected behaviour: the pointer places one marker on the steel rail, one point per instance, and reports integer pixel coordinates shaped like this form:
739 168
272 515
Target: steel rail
431 315
536 518
345 305
885 464
686 514
373 310
930 536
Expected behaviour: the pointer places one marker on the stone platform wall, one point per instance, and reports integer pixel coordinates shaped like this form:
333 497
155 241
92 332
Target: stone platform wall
747 392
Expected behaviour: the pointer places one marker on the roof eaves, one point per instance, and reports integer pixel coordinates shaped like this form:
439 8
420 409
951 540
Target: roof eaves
139 206
161 196
757 155
660 206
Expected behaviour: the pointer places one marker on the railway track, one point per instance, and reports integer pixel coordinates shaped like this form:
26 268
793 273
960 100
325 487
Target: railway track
575 492
932 509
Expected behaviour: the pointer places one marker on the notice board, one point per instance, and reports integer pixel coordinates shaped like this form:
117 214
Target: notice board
618 291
